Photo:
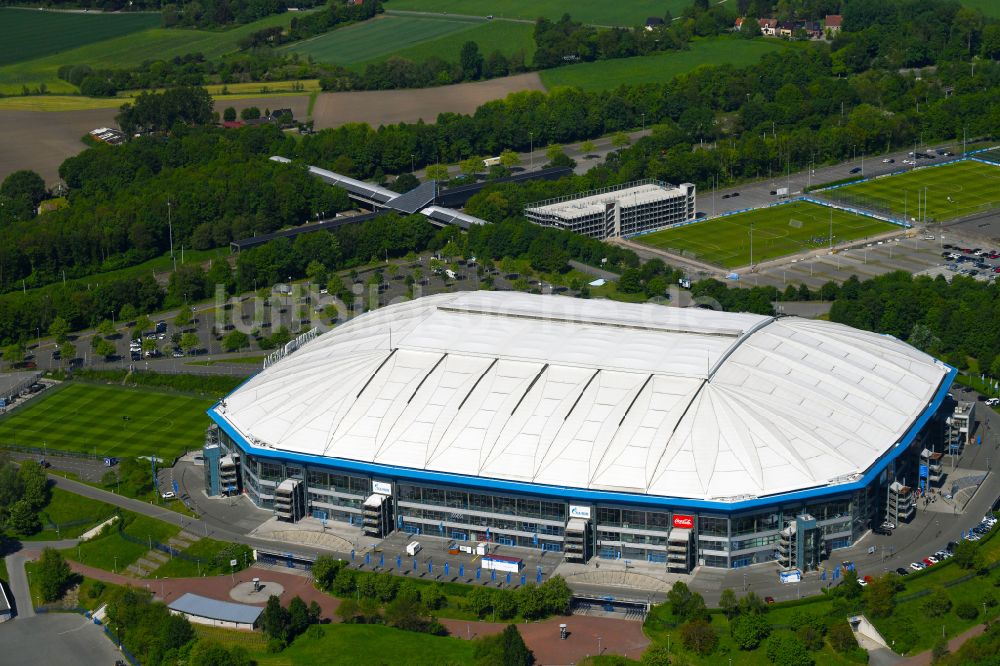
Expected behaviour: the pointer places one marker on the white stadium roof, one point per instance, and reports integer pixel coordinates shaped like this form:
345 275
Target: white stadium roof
593 395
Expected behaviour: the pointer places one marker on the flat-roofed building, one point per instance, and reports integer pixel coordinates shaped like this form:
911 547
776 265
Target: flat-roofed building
623 210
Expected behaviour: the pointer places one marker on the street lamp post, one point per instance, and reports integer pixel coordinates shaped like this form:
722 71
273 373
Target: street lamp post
531 150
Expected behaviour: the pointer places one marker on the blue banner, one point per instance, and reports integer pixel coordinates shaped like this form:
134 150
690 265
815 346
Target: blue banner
923 471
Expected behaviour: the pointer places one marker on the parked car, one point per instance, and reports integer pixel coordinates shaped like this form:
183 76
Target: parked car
902 572
928 562
917 566
769 600
882 531
856 170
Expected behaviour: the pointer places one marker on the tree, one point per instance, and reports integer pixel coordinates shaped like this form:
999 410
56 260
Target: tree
728 603
471 61
436 172
143 324
229 115
275 620
34 484
298 617
23 518
659 654
159 112
479 601
325 569
504 604
189 342
880 597
250 113
786 650
53 576
109 478
471 165
968 555
509 158
14 353
553 152
588 146
620 140
630 282
106 328
699 636
104 348
684 604
235 340
531 602
67 351
59 329
183 318
749 630
842 638
504 649
20 193
937 603
149 346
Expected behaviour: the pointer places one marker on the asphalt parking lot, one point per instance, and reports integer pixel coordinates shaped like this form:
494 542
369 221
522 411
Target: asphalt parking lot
56 639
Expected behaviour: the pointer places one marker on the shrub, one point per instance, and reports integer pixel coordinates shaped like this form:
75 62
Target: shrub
699 636
842 638
938 603
749 630
275 645
967 611
786 650
96 590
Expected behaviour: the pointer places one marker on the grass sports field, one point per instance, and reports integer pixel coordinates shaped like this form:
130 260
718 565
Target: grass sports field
414 38
122 50
777 232
628 14
89 418
953 190
609 74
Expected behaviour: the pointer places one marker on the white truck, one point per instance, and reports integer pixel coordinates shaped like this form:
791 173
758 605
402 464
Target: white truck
413 548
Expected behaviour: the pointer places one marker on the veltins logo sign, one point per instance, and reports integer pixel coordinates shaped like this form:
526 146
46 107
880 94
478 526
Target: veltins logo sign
684 522
381 487
579 511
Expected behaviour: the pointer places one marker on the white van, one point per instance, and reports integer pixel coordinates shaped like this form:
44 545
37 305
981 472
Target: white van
413 548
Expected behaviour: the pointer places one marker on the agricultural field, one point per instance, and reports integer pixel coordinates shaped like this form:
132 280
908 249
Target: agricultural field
952 190
506 37
777 232
33 33
628 14
122 51
383 37
109 421
609 74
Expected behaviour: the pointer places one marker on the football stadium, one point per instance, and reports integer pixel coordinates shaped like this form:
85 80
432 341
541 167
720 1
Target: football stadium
687 437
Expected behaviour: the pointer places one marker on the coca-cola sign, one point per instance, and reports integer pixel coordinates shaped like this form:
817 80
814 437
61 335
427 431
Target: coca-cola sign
684 522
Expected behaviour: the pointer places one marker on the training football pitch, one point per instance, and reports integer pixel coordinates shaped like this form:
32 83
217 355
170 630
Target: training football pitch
109 421
952 190
778 231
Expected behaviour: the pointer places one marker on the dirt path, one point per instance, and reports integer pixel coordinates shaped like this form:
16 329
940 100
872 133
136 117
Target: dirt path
383 107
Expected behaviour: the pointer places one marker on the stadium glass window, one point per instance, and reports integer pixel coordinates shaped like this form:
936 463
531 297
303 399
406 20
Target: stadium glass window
270 471
716 561
480 502
657 520
528 527
457 500
340 482
528 508
293 472
434 496
604 535
606 516
636 519
360 486
505 505
553 510
713 526
318 479
408 492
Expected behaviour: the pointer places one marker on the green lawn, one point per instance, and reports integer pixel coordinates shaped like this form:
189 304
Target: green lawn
31 33
777 231
609 74
72 513
631 13
952 191
374 645
89 418
214 555
505 37
111 552
380 38
128 50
